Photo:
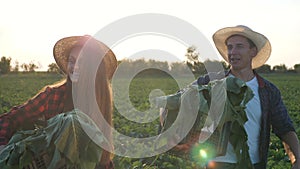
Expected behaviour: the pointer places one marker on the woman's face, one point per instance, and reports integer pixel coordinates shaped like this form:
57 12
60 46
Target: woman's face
73 68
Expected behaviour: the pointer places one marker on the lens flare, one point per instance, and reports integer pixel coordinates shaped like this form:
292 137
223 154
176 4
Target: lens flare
201 154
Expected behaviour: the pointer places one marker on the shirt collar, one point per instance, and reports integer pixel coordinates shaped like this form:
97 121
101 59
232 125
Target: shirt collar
261 82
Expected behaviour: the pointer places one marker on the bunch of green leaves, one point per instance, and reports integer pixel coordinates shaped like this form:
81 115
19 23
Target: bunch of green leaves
64 138
220 102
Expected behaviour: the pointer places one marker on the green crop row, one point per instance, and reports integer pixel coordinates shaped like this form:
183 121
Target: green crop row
15 89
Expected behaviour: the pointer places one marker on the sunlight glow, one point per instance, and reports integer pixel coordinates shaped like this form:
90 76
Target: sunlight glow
203 153
32 27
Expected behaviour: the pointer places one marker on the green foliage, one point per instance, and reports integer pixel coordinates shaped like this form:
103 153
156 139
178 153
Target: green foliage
264 69
64 138
30 67
220 102
191 67
289 85
17 88
5 65
53 68
280 68
297 68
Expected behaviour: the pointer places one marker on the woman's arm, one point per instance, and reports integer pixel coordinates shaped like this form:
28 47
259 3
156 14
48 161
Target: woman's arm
20 117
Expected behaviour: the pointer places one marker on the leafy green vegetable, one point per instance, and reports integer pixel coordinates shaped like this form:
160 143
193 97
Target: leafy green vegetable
218 103
64 139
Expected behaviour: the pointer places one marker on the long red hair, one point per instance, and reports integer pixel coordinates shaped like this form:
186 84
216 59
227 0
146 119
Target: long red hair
105 102
95 82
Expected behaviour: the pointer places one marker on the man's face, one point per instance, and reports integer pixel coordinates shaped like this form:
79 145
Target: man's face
240 54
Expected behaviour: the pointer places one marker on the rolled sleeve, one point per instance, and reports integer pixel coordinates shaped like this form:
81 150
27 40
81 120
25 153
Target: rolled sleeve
20 116
280 119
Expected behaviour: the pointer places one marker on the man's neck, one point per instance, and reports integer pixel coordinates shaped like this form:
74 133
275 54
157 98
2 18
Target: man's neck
243 74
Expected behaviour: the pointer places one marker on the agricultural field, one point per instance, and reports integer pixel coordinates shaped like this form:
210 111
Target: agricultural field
15 89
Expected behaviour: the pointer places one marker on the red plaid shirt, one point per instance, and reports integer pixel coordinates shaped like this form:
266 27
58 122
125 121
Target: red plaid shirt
45 105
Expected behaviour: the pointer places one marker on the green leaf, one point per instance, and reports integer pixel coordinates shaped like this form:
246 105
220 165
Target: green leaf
25 159
220 101
63 139
56 158
53 128
72 140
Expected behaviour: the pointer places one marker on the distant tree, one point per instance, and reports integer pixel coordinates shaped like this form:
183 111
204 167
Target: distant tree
29 67
5 65
25 67
53 68
17 66
179 68
297 68
163 66
291 70
264 69
138 65
280 68
32 67
125 68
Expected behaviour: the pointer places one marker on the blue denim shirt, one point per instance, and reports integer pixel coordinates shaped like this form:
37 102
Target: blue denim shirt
274 112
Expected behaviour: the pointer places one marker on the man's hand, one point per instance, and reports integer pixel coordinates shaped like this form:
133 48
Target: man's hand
296 164
292 148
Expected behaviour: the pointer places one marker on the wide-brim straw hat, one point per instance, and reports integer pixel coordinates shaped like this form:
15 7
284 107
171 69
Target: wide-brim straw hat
62 49
262 43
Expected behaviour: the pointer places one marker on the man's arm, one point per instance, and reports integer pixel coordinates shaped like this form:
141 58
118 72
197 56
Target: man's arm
292 147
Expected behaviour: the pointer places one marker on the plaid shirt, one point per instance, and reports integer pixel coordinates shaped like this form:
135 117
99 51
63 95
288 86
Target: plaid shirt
274 112
274 116
45 105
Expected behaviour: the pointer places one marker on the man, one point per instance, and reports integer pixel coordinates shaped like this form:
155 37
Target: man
246 50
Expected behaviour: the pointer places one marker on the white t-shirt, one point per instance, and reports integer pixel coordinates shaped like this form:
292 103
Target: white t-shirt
252 127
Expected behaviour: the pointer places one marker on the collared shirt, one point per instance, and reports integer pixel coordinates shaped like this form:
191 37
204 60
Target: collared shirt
274 112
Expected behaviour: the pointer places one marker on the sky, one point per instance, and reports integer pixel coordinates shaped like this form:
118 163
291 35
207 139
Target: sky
29 29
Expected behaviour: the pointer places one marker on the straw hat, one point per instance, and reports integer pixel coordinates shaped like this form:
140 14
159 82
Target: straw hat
262 43
62 49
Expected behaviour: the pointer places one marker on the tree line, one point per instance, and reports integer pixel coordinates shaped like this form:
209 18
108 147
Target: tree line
129 67
6 67
134 66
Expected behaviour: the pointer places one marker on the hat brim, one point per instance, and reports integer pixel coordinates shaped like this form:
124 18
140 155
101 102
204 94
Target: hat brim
262 43
63 47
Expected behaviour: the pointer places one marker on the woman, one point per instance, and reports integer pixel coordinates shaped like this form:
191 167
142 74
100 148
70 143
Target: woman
88 64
